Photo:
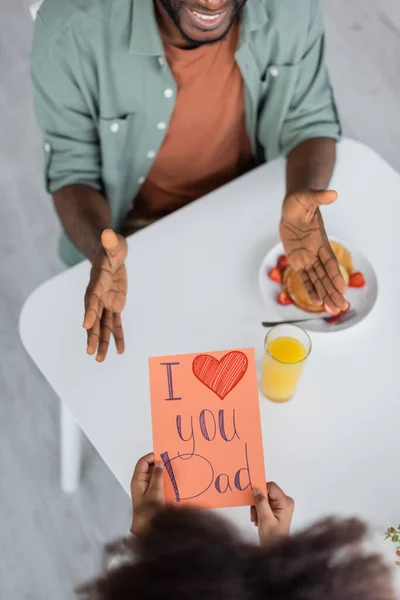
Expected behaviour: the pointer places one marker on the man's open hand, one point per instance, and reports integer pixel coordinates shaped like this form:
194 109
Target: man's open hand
308 250
106 296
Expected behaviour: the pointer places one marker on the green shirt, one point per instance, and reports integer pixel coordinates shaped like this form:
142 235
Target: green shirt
100 77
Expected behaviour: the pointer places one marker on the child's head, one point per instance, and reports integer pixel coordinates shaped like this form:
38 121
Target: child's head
195 555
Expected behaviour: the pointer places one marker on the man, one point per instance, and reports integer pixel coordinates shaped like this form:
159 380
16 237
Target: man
146 105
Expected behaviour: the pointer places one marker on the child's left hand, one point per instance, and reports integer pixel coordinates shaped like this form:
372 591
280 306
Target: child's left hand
147 492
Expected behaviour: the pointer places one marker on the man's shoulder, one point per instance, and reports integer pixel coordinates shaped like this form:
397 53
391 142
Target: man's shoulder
291 11
287 29
59 15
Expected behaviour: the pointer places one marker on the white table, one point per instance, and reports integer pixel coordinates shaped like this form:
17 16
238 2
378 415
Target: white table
193 287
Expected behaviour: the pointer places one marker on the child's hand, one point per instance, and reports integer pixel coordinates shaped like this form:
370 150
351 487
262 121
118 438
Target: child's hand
272 513
147 492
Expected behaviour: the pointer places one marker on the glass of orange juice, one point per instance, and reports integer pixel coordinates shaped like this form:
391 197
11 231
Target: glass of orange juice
286 350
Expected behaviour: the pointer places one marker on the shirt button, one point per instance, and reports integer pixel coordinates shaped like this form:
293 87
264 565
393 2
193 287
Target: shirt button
114 127
161 126
274 71
161 61
47 147
168 93
141 180
151 154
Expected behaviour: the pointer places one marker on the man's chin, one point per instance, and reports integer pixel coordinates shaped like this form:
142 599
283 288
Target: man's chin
197 37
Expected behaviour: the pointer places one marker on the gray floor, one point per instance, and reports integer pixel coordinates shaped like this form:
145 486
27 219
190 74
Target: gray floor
48 541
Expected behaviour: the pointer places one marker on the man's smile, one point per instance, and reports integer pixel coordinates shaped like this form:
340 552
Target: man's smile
208 21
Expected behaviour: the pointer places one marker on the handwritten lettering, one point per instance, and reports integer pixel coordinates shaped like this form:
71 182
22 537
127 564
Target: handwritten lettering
170 471
203 425
197 463
221 423
209 431
246 469
168 467
179 431
170 381
218 483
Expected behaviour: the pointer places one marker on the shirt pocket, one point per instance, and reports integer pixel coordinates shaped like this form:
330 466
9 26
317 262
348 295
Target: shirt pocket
277 90
275 76
113 137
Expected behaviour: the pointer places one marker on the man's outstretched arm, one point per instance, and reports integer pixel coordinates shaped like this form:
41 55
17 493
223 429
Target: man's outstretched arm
67 119
84 214
310 165
308 139
309 169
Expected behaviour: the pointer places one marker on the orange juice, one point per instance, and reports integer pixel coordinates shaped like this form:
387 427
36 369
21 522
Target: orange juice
287 350
284 360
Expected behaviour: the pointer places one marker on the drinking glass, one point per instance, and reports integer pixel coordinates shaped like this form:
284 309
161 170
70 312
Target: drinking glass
286 351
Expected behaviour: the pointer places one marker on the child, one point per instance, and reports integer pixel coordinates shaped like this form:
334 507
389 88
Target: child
188 554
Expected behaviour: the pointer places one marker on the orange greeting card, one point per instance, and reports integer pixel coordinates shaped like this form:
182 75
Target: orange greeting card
206 427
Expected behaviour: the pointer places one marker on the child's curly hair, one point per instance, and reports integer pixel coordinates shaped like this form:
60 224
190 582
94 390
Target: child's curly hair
194 555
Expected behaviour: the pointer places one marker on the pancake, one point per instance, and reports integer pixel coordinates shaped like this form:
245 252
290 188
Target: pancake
343 256
345 274
294 287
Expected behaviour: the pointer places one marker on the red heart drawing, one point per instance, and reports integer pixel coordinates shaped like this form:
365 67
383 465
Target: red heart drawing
220 376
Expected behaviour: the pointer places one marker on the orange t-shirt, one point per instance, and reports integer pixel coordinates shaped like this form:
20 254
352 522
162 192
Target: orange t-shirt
206 144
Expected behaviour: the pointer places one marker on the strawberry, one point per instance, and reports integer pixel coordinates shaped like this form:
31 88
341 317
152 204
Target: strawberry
284 299
282 263
357 280
275 275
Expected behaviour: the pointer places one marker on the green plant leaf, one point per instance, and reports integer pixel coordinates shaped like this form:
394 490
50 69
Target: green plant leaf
395 538
392 530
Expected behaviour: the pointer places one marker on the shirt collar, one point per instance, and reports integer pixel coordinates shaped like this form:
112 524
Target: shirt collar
146 39
254 17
